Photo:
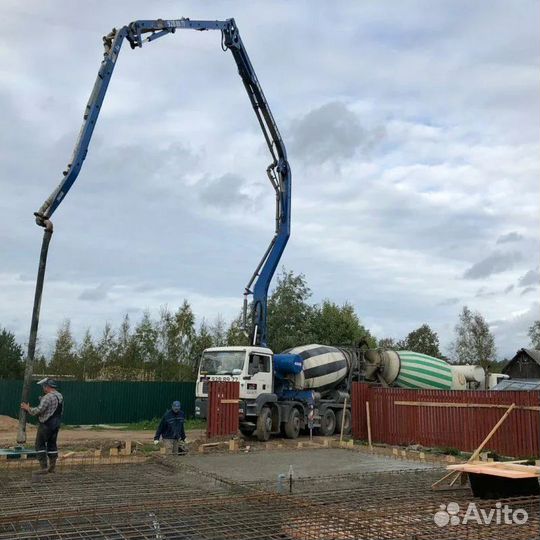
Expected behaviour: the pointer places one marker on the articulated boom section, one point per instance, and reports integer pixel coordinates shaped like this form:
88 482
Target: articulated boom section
137 33
278 171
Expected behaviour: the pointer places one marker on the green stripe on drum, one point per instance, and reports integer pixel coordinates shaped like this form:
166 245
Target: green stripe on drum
422 355
428 370
446 375
412 379
423 358
426 377
442 367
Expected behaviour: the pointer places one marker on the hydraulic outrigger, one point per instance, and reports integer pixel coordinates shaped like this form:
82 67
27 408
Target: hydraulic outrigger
137 33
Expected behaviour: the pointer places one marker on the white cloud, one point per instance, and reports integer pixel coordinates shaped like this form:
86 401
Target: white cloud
173 199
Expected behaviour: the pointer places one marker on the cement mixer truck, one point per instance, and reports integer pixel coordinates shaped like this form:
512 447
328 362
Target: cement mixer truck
407 369
284 393
310 385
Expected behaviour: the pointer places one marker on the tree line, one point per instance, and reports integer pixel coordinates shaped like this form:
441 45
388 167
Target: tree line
169 347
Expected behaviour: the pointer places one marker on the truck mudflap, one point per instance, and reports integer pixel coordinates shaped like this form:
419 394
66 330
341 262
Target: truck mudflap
201 408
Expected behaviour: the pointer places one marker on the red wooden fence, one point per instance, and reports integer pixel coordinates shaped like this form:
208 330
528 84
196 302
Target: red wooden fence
463 426
222 408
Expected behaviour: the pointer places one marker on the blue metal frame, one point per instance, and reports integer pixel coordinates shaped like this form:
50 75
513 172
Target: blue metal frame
278 171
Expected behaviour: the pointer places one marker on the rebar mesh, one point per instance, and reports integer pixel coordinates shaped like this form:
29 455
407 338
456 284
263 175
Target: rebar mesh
168 499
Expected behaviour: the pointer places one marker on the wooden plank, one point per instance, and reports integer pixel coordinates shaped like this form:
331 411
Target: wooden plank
493 471
509 466
477 452
368 418
343 419
209 445
497 463
463 405
229 401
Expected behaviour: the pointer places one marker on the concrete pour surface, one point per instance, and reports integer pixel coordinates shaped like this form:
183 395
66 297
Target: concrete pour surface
307 462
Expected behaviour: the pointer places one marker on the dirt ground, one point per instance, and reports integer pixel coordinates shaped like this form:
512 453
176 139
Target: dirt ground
83 437
90 438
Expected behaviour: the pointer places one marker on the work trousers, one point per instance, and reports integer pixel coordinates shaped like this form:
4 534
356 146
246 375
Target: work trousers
46 442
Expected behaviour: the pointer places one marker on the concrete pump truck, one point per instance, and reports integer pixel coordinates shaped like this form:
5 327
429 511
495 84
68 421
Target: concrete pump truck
278 172
306 385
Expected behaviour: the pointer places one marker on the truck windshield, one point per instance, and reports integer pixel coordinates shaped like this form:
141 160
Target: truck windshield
222 362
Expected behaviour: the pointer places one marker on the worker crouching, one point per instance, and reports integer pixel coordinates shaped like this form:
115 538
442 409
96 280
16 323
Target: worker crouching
49 414
171 429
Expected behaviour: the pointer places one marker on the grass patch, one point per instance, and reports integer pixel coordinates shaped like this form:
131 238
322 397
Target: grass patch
191 423
142 425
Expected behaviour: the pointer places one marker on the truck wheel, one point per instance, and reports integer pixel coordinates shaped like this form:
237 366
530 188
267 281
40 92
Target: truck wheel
345 420
292 426
264 424
328 423
247 432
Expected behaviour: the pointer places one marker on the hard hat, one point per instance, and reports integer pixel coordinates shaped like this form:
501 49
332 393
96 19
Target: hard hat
175 406
48 382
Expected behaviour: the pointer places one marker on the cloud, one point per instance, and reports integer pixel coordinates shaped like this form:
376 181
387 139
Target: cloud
484 293
449 302
511 331
509 237
226 191
493 264
532 277
508 289
407 132
331 132
528 290
95 294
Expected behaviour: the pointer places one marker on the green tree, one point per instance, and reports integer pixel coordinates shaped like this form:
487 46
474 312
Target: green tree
337 325
11 356
474 342
40 364
218 330
146 341
289 313
423 340
236 333
89 358
534 335
175 342
107 346
64 359
387 343
203 340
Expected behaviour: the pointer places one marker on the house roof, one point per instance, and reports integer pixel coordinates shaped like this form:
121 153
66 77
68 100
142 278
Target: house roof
518 384
534 354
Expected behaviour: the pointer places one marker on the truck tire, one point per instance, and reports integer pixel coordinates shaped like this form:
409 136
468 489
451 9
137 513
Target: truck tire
247 432
328 423
292 426
344 418
264 424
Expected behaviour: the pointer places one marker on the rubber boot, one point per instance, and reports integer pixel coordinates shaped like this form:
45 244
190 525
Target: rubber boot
42 466
52 464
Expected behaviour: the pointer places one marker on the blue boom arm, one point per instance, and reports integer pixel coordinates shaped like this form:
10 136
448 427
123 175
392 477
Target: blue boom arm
278 171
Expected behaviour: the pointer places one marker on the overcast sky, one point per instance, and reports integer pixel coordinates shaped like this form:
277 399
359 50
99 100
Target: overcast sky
412 130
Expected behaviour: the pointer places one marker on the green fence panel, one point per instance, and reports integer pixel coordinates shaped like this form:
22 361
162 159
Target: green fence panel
106 402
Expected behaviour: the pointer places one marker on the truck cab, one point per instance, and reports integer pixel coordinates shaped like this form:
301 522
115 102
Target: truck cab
280 393
252 367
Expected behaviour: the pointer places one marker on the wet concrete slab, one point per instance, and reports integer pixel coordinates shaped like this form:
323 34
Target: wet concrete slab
305 462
